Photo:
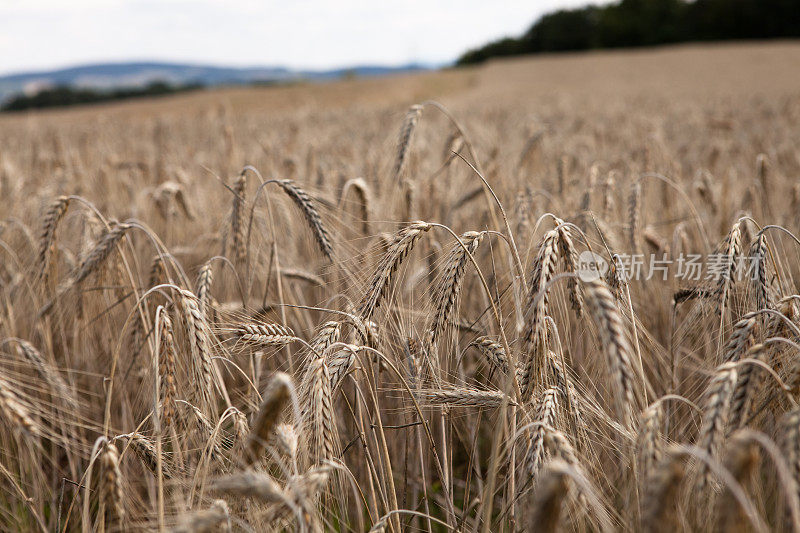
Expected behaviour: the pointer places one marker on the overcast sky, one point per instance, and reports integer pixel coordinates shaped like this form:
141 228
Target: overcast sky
43 34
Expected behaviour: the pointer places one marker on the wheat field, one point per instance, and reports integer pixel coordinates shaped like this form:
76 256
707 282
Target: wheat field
364 305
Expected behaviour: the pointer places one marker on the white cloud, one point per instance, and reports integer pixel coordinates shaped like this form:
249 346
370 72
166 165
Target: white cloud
302 33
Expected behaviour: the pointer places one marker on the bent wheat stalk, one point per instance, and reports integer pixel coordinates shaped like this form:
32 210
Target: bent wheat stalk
276 396
400 247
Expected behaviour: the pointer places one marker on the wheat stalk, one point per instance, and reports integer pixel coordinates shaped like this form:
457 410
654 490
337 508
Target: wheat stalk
61 391
47 236
409 124
544 417
100 252
762 175
287 439
715 416
205 278
464 397
447 291
250 484
361 189
550 494
655 241
401 246
302 275
743 392
262 334
167 371
648 441
303 201
730 249
740 340
415 355
14 412
145 450
543 271
340 360
276 396
617 349
318 424
758 254
740 461
111 489
157 271
198 334
661 493
215 518
565 384
241 427
558 444
208 430
494 353
239 245
634 216
570 257
608 194
789 438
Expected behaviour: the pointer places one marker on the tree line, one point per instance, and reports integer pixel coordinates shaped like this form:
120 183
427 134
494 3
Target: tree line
66 95
632 23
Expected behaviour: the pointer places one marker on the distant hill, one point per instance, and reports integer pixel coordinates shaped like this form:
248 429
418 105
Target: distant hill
110 76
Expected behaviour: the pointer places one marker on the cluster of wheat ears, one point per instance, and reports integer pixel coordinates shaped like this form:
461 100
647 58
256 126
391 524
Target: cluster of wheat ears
299 351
